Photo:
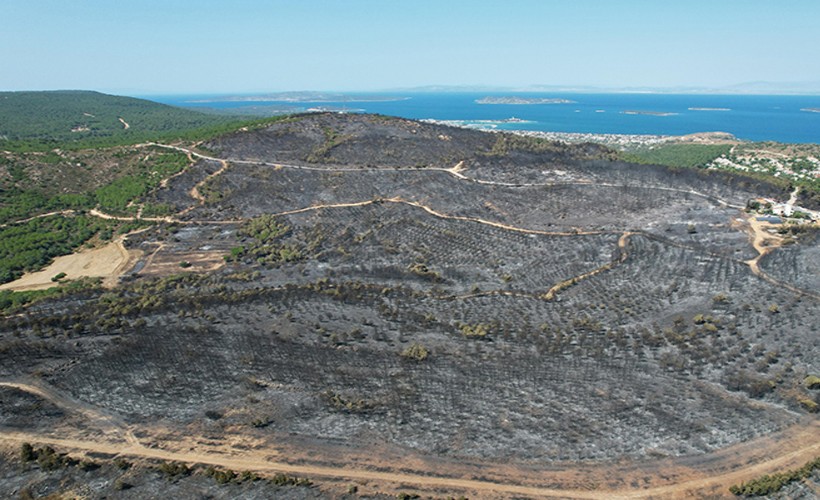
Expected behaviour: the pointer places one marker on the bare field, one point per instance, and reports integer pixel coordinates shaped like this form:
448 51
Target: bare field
109 261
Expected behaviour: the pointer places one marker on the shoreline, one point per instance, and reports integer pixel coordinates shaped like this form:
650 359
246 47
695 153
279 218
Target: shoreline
620 141
629 141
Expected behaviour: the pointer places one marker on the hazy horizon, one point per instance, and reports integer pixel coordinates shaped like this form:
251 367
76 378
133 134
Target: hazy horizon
747 88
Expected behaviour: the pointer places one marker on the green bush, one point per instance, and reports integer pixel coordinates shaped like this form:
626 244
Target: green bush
479 330
27 453
679 155
768 484
415 352
221 476
122 463
172 470
13 301
286 480
265 246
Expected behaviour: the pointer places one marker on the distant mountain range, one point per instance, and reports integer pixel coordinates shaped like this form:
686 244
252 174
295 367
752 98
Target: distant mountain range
760 88
301 96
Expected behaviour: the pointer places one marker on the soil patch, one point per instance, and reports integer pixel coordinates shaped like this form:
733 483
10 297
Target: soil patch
106 262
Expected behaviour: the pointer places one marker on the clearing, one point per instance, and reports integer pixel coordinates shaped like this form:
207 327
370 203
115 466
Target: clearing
107 262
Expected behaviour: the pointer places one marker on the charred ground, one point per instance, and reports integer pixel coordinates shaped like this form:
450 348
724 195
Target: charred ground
454 296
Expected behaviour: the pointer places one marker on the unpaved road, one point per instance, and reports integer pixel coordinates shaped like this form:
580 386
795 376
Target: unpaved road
112 426
684 477
455 171
260 460
765 242
49 214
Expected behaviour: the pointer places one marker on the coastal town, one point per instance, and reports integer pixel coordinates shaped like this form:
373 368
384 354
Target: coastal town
795 162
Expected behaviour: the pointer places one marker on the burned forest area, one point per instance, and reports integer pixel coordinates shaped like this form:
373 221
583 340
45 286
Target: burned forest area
426 309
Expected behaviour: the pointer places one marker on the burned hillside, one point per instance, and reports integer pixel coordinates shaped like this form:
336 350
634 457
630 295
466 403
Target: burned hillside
383 286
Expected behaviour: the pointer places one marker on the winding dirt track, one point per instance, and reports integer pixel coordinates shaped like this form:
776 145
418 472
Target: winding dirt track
765 243
786 449
195 193
781 459
111 426
455 171
759 236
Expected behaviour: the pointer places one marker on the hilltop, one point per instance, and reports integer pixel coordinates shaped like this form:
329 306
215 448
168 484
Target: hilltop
404 307
85 118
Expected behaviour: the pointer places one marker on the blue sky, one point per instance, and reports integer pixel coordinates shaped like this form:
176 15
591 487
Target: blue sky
181 46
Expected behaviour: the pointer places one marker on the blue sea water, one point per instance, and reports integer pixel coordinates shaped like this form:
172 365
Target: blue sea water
749 117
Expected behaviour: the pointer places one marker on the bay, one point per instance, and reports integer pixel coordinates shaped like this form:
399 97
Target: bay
750 117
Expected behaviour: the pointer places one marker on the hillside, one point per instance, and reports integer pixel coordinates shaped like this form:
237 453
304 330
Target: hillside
407 307
90 118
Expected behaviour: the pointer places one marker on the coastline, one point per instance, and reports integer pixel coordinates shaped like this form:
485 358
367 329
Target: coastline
618 141
784 119
630 141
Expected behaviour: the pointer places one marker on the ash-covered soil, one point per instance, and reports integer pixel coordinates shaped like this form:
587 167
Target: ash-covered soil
22 410
542 303
798 264
99 477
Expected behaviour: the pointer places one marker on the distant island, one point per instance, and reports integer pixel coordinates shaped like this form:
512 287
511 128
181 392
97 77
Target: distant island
811 110
650 113
522 100
709 109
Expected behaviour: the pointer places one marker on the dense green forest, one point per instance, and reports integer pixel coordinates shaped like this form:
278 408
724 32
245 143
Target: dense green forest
16 204
19 200
679 155
116 196
40 121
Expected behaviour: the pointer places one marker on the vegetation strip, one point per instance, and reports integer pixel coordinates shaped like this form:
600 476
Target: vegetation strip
262 462
768 484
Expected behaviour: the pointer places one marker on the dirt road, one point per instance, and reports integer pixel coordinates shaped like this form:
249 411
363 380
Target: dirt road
455 171
682 477
765 242
731 470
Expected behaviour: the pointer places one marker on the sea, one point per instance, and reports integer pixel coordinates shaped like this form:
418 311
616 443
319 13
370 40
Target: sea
789 119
